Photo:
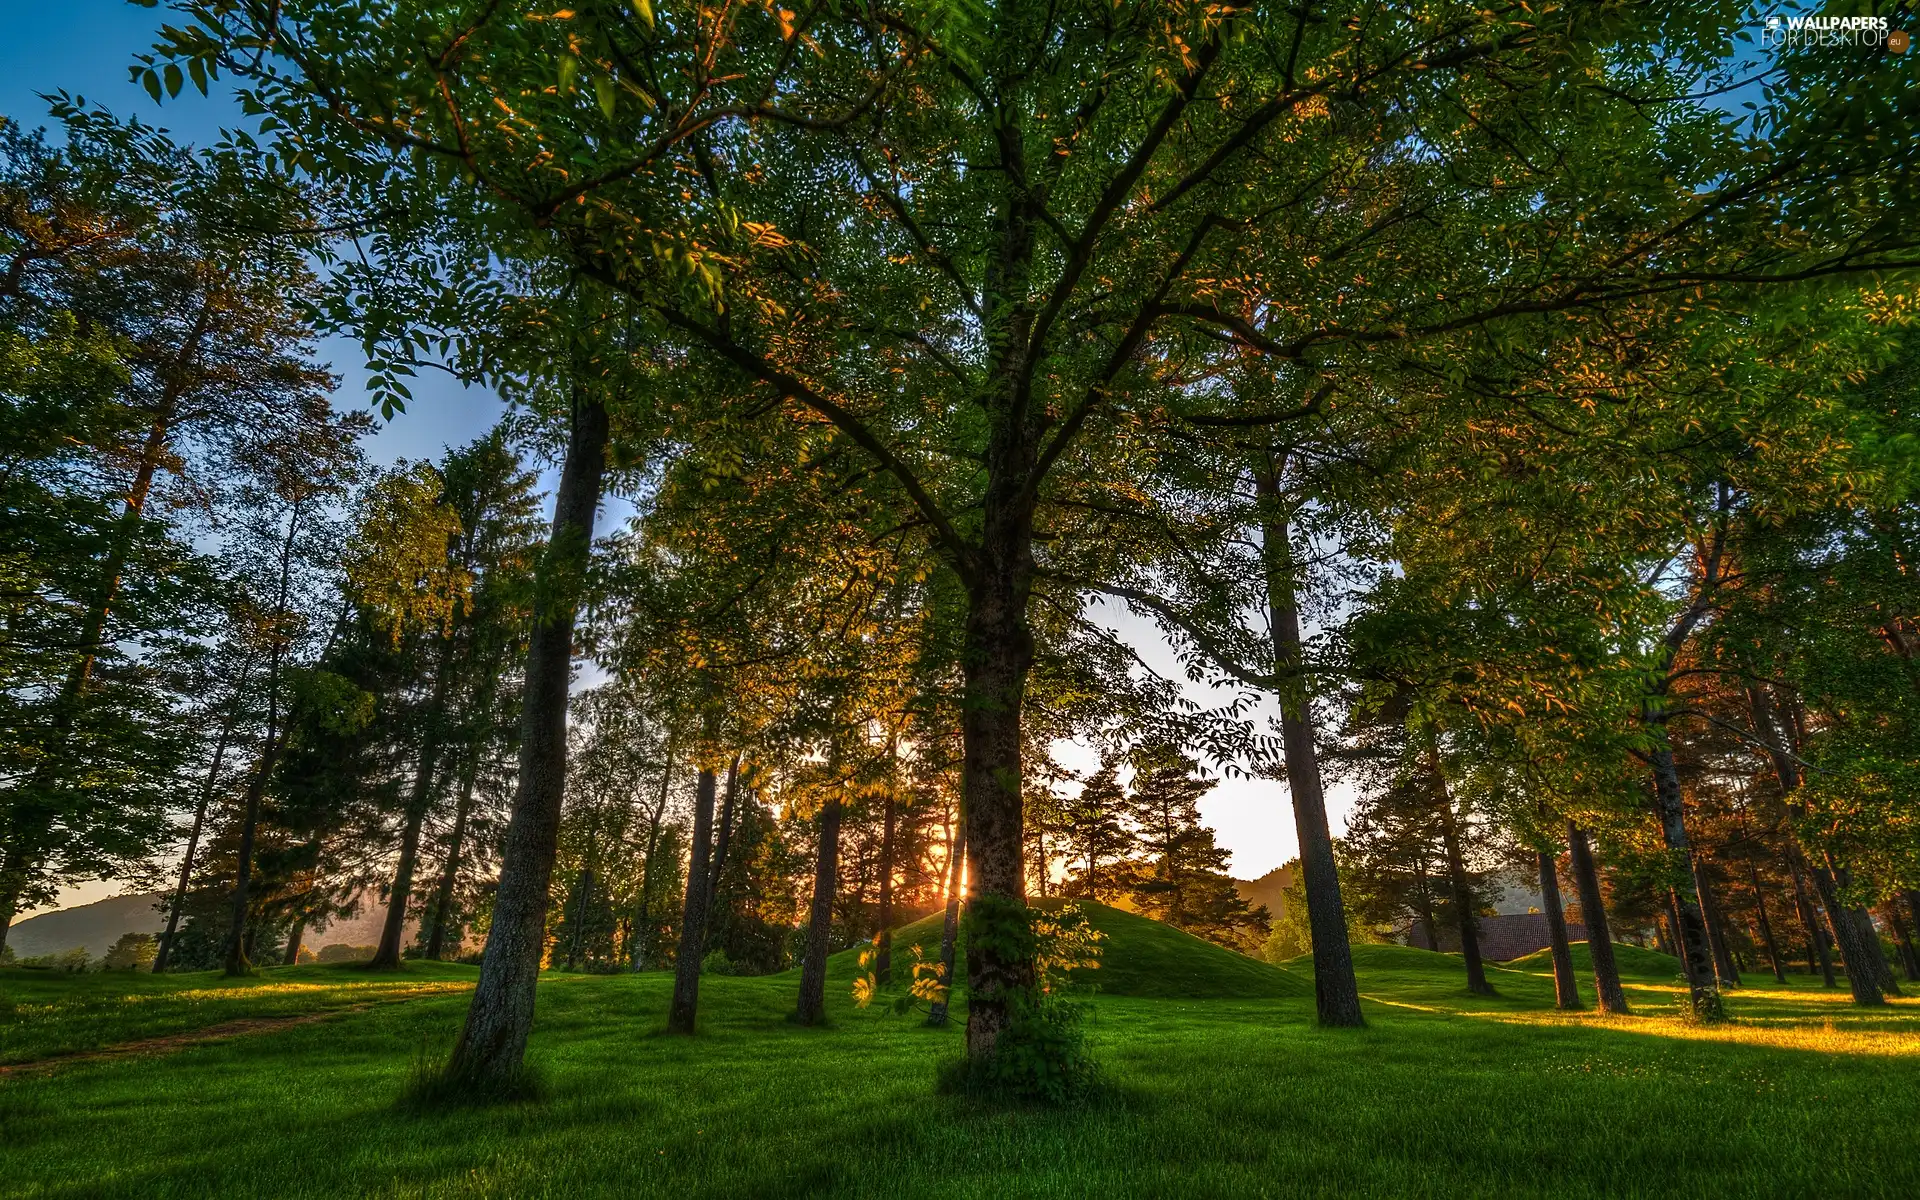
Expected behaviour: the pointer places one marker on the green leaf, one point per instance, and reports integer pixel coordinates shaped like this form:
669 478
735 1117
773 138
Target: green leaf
151 82
197 68
645 9
604 93
174 79
569 66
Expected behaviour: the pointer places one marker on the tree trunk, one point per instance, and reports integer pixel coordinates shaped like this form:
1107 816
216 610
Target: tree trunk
1909 960
1861 978
1766 925
387 957
643 922
997 655
1723 965
450 873
493 1044
718 863
1819 959
812 1008
1611 997
1335 990
1876 952
1463 906
292 957
693 913
1566 992
883 959
950 928
165 952
1690 930
582 892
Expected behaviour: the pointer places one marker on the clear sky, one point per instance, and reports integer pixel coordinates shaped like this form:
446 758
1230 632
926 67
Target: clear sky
84 47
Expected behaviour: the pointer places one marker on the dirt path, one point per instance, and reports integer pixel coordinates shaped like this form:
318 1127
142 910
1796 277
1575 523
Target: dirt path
167 1044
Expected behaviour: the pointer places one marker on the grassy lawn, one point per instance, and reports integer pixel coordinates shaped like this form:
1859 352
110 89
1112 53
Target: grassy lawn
1234 1094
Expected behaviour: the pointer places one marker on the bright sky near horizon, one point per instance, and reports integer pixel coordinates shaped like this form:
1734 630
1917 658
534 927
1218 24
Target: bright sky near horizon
83 47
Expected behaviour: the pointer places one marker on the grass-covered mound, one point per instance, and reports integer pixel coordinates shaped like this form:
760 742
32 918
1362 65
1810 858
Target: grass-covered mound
1140 957
1635 962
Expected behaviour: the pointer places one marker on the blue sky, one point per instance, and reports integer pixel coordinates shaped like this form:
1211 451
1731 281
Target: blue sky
85 46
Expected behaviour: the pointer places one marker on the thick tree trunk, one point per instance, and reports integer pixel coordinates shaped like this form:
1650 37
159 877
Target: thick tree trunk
812 1007
493 1044
1690 926
1336 991
1876 952
292 956
998 654
1859 959
883 960
950 928
1724 967
1463 905
1566 992
1766 925
450 872
1611 997
685 1010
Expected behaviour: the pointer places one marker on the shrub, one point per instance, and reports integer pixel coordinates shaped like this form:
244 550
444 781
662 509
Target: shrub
341 952
133 952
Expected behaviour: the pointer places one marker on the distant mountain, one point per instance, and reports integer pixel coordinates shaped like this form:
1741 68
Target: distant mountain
1270 889
96 926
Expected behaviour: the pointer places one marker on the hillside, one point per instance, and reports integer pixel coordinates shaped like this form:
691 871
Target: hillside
1635 962
96 926
1270 889
1141 957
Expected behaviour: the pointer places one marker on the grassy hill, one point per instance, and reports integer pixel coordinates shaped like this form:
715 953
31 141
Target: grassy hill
1141 957
1635 962
94 926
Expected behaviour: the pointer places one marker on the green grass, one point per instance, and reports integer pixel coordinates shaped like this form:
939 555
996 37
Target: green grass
1442 1095
1146 959
44 1014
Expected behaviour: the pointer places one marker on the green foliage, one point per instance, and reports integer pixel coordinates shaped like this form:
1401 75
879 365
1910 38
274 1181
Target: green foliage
132 952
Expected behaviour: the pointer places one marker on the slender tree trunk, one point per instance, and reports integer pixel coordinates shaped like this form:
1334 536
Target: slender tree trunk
1909 960
582 891
1611 997
387 957
722 838
1819 959
292 957
1690 930
493 1044
1566 992
643 923
685 1009
950 928
883 960
1766 925
450 873
1463 905
1336 991
165 953
812 1008
1723 964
